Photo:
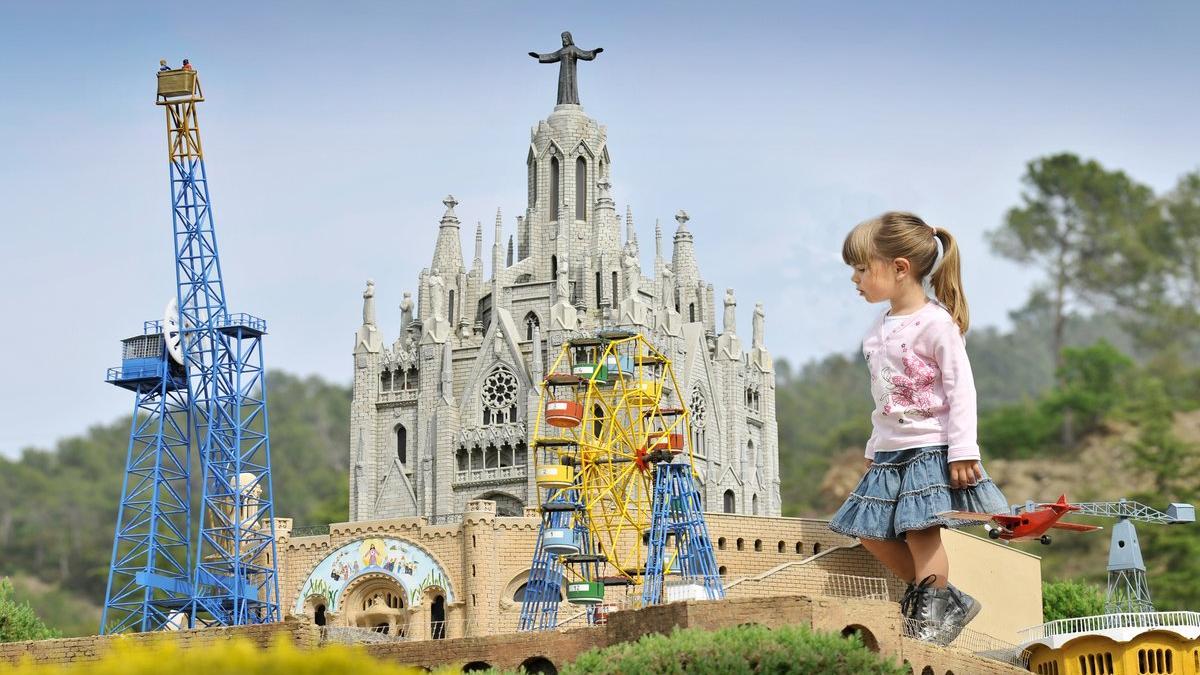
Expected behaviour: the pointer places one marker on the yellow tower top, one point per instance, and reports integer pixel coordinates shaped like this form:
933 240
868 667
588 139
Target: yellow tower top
178 86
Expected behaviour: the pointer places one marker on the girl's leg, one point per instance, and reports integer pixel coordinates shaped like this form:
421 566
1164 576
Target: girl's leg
928 555
894 554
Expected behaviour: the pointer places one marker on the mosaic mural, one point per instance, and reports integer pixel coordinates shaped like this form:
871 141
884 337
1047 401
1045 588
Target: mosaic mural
411 566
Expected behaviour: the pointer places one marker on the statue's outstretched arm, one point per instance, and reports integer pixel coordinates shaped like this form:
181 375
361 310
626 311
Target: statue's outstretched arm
546 58
589 54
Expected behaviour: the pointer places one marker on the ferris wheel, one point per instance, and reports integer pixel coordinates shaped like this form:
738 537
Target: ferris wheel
607 421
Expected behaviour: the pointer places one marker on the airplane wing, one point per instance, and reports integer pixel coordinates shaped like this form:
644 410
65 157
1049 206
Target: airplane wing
968 515
1075 527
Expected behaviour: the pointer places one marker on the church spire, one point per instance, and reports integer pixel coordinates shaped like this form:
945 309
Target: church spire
630 235
497 237
447 254
478 263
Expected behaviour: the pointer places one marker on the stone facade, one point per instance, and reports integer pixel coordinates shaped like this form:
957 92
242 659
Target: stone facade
478 564
444 413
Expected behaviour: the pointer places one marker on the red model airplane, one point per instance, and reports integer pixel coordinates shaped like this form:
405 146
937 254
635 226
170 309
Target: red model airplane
1026 524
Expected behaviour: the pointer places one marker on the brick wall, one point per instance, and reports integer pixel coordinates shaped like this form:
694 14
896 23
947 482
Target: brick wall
877 621
80 649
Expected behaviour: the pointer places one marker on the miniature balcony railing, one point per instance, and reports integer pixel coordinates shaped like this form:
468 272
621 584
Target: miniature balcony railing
248 323
491 473
1088 624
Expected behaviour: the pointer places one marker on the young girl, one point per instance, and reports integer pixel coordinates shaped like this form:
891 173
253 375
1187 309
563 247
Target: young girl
922 458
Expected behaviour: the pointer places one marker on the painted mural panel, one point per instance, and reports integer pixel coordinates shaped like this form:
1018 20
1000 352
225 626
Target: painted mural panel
410 565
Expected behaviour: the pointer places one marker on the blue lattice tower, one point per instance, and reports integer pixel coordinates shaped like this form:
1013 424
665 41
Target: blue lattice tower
149 577
543 590
204 385
677 514
235 580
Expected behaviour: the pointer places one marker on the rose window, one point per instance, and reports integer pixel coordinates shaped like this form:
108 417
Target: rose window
500 397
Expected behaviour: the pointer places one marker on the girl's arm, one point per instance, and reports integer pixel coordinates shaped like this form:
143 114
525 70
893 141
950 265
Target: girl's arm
950 351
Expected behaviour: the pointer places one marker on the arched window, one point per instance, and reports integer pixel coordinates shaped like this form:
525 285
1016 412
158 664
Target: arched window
553 268
554 196
580 189
754 505
450 315
401 444
750 452
385 380
531 320
598 294
319 619
691 312
730 502
614 290
533 181
699 412
437 618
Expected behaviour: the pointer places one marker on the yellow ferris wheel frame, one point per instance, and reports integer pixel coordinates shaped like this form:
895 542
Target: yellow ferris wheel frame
605 445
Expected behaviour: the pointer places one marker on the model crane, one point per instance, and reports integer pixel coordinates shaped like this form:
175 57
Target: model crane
198 380
1128 589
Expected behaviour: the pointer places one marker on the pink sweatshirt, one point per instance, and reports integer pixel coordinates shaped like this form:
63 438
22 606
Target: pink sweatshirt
922 385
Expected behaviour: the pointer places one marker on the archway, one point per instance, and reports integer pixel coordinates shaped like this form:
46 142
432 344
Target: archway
376 601
475 666
539 665
864 634
506 504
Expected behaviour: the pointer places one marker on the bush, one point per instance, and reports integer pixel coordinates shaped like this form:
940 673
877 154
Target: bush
234 656
1070 599
1019 430
17 619
744 649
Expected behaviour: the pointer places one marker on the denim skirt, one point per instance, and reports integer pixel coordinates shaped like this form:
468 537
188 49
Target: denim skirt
906 490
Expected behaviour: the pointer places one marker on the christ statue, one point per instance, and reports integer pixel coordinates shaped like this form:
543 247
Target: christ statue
568 88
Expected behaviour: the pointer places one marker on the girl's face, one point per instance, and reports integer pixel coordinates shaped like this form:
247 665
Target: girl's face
875 281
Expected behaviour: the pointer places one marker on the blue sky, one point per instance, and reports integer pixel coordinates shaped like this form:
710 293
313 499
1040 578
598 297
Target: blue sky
333 131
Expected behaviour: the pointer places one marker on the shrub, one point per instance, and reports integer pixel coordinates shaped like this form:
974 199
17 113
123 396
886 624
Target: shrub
744 649
233 656
1070 599
17 619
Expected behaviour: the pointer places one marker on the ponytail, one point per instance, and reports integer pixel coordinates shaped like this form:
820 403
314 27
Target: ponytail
946 281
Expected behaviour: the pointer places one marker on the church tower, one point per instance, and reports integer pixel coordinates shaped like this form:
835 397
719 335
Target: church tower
444 415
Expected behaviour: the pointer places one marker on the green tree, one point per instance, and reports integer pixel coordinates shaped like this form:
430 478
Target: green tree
1168 316
1070 599
1094 380
18 620
1086 228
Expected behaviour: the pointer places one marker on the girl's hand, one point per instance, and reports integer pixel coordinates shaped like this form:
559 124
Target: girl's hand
965 473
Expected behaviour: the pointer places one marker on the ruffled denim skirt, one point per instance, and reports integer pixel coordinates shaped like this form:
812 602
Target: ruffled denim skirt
906 490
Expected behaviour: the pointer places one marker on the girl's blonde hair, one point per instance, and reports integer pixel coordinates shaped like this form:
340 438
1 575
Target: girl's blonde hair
897 234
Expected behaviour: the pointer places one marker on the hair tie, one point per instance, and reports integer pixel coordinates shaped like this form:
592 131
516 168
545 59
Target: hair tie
927 282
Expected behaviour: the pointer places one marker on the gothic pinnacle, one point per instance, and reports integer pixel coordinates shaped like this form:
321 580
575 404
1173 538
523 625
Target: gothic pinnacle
449 215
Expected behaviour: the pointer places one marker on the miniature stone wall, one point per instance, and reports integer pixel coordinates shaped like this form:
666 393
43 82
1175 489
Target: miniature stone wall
82 649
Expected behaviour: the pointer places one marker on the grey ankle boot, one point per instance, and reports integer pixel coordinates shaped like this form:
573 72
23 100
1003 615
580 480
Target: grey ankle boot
957 609
921 619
